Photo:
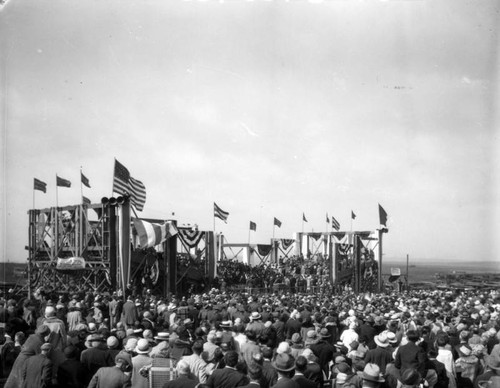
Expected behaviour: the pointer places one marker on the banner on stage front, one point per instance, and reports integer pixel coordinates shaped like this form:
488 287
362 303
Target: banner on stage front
70 264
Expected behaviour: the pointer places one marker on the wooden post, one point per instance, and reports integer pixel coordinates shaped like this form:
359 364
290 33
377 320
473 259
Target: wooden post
380 253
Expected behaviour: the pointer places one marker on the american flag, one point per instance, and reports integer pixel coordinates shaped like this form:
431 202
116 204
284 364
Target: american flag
219 213
335 224
124 184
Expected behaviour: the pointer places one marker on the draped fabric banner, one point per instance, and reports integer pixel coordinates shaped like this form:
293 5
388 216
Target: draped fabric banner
124 244
264 249
286 243
315 236
190 237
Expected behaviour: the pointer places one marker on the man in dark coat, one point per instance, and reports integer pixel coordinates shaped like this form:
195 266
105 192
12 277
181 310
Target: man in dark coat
323 350
227 377
183 380
411 355
37 370
97 356
113 376
285 365
380 355
300 368
129 313
71 373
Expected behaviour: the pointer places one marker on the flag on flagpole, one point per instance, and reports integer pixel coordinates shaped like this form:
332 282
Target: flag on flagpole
335 224
219 213
253 226
277 222
353 216
327 219
304 217
85 200
382 215
85 180
62 182
39 185
124 184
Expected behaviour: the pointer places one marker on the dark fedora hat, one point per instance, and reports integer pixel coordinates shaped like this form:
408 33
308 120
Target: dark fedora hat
284 362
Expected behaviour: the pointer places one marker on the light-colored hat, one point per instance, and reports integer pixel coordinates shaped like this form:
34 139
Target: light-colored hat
112 342
162 336
371 372
255 315
142 346
382 340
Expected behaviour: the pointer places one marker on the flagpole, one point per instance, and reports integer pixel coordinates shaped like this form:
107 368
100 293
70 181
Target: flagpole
57 196
33 197
249 237
81 184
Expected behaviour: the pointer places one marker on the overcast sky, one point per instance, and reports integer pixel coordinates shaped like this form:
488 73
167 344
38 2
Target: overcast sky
269 108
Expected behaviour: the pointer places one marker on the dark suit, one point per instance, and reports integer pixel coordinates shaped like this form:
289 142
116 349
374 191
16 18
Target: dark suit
93 359
380 356
411 356
226 378
304 382
110 377
286 382
324 351
181 382
71 374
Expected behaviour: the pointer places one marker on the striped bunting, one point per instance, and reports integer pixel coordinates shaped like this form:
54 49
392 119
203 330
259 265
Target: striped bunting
190 237
151 234
286 243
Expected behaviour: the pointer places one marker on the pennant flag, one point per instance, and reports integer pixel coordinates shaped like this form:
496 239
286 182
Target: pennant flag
39 185
253 226
124 184
219 213
63 182
382 215
151 234
85 200
353 216
304 217
85 180
335 224
277 222
327 219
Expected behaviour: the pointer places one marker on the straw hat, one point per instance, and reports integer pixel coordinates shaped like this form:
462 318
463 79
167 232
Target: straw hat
382 340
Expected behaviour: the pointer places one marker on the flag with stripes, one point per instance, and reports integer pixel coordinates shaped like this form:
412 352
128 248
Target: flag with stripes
335 224
304 217
219 213
85 200
327 219
152 234
39 185
277 222
61 182
382 215
124 184
353 216
85 180
253 226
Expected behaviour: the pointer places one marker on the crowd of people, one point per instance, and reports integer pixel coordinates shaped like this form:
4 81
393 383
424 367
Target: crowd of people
223 339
